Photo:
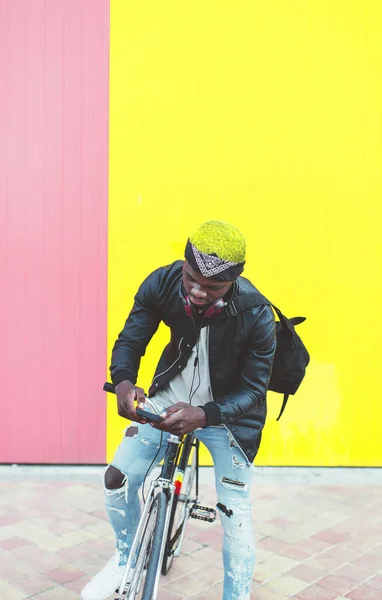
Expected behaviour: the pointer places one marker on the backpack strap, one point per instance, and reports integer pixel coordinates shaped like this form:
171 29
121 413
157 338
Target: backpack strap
285 400
252 300
245 301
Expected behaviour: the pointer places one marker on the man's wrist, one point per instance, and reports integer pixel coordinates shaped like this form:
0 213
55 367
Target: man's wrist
203 417
123 385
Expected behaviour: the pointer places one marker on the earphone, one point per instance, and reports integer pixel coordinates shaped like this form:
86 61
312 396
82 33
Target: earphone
214 309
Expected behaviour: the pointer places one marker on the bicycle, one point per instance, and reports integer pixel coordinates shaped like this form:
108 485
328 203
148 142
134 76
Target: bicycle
171 500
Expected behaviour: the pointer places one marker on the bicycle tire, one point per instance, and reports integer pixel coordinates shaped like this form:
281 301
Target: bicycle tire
180 522
156 545
148 552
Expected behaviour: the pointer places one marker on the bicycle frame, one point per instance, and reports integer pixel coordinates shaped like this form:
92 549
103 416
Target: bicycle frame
188 443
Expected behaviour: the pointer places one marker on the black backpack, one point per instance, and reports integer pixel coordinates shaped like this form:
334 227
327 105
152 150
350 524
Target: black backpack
291 357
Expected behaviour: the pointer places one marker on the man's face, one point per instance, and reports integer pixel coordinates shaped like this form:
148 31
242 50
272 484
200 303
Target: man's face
203 290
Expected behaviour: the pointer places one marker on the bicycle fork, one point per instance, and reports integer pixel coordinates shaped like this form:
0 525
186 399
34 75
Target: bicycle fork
170 494
129 572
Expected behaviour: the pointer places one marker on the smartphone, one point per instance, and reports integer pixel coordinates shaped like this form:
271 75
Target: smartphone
149 416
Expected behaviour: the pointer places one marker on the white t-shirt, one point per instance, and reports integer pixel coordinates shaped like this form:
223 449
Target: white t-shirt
192 385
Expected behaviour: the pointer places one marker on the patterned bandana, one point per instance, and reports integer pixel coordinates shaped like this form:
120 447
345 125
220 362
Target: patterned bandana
210 265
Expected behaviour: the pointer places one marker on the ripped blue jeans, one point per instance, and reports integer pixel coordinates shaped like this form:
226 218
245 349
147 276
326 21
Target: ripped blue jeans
233 477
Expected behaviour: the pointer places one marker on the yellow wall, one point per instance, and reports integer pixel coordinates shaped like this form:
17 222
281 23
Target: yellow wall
266 114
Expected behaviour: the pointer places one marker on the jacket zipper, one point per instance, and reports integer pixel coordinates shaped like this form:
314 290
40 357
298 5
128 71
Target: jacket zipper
229 433
175 361
208 355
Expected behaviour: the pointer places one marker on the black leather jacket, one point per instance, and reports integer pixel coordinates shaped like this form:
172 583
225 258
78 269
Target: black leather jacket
241 349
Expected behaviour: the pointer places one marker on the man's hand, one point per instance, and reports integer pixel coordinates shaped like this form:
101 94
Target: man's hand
181 418
127 393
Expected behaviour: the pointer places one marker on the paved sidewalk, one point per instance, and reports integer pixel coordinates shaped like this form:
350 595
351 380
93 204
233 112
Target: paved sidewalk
319 535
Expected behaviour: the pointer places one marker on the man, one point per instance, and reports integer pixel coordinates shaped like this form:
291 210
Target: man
212 379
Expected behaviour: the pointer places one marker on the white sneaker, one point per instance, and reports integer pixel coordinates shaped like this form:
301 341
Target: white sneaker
102 585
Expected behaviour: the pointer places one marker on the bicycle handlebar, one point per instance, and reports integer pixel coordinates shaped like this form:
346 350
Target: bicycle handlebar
109 387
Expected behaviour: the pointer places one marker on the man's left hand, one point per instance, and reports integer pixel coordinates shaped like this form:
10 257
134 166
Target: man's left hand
181 418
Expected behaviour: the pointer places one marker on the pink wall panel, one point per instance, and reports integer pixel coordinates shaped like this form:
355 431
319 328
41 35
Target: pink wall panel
53 215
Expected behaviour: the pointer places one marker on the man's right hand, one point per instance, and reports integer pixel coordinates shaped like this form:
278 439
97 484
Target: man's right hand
127 394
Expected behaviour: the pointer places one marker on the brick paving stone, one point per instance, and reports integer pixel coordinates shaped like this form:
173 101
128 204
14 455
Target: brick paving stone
28 552
64 575
46 562
9 519
287 585
39 535
312 527
341 585
166 593
281 522
11 592
13 570
349 571
261 555
210 576
8 531
324 562
340 552
100 514
172 575
314 592
265 593
77 584
295 552
313 545
61 527
331 536
369 562
272 544
204 538
289 535
35 584
306 573
377 550
42 519
334 516
89 565
190 546
13 543
188 584
72 538
376 582
57 593
206 595
364 592
208 556
80 552
190 562
216 543
98 529
279 563
218 587
264 573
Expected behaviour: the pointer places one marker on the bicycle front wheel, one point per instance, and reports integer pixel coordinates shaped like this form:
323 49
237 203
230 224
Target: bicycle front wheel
148 555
